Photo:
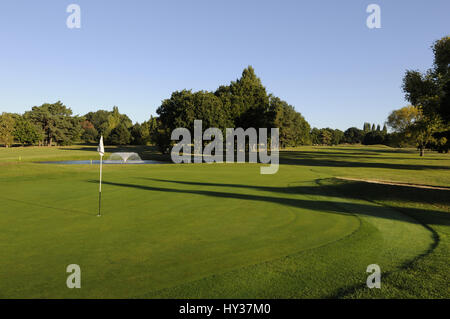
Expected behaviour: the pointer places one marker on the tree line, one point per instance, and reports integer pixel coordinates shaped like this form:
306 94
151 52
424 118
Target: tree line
54 124
243 103
368 135
246 103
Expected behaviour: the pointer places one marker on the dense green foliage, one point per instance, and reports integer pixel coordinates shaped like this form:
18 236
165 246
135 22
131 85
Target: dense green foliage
244 103
25 132
326 136
294 129
90 133
120 135
353 135
6 129
429 92
111 125
55 123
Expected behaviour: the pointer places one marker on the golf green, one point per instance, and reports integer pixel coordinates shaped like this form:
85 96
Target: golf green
216 230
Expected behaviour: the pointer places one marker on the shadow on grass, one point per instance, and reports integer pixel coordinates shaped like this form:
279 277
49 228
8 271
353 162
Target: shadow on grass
351 154
336 188
323 206
317 159
346 189
375 150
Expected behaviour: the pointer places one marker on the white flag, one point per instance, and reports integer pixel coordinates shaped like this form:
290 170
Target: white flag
100 148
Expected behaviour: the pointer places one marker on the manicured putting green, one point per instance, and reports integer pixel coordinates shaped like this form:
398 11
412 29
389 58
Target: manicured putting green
220 230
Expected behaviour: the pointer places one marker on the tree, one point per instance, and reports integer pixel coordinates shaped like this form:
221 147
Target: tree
90 134
6 129
184 107
99 120
73 131
105 121
26 132
56 122
326 137
315 136
120 135
353 135
423 131
410 122
115 118
244 103
337 137
294 130
441 50
153 124
247 101
366 127
209 109
177 111
373 137
140 133
429 92
399 120
160 135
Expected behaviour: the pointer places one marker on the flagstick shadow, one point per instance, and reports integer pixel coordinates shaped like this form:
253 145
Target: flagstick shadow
321 206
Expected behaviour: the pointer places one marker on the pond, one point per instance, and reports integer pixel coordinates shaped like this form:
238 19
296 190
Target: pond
105 162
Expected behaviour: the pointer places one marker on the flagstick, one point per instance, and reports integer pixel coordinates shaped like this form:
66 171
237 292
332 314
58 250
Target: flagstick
100 189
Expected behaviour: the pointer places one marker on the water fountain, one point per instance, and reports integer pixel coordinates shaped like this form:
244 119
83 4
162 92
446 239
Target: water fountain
114 158
124 157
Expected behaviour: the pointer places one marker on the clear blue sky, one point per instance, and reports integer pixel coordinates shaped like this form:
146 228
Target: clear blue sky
317 55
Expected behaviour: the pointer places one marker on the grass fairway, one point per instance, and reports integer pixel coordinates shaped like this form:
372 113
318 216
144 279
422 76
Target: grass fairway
224 230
